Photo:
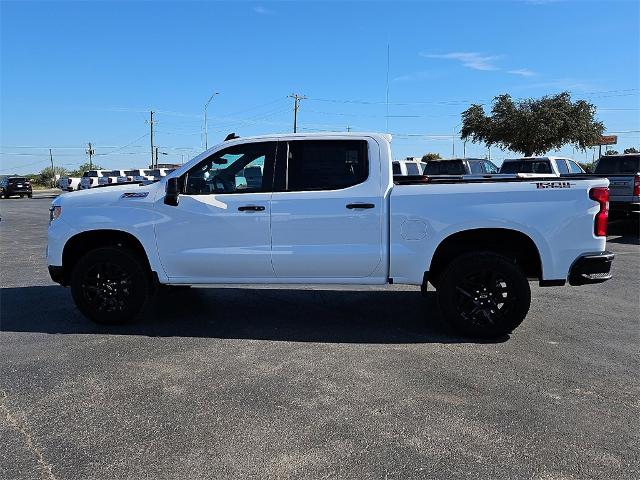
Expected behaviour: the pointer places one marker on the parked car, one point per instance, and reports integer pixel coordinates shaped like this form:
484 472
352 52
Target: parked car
407 167
328 210
158 173
137 175
460 166
112 176
90 179
69 184
623 172
555 166
11 186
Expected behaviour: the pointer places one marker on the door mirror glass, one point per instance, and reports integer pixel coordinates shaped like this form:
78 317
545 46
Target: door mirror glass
172 192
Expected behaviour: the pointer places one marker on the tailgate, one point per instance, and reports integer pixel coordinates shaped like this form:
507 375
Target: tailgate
621 188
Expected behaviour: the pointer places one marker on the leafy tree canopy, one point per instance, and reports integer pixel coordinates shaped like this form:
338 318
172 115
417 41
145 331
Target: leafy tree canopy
631 150
47 175
611 152
431 156
533 126
78 172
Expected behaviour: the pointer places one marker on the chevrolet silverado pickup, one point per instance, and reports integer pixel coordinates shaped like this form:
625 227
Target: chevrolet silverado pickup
623 172
326 209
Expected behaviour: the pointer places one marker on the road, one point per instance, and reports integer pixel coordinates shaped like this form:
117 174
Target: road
312 383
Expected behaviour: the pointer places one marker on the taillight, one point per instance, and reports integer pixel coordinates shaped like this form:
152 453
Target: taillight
110 180
129 179
636 186
600 195
91 181
68 181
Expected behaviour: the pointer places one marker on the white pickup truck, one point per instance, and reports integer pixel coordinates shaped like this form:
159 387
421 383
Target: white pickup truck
326 209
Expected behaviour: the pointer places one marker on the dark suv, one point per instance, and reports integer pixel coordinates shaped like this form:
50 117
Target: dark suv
12 185
460 166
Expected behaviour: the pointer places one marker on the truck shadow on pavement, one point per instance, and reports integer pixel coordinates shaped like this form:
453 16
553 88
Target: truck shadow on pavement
624 231
326 316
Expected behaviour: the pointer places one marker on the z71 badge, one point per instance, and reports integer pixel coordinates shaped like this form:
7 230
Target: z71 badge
553 185
134 195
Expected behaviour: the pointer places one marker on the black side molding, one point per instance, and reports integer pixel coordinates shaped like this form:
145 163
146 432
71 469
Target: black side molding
591 268
552 283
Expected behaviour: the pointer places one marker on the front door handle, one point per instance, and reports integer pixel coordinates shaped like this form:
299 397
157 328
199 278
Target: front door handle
351 206
251 208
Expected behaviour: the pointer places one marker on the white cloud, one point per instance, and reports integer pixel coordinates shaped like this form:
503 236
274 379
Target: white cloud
523 72
262 11
415 77
473 60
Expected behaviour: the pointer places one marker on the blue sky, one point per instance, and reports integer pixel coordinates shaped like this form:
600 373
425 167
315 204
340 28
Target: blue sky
90 71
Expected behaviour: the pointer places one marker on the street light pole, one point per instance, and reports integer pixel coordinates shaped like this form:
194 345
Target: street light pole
206 127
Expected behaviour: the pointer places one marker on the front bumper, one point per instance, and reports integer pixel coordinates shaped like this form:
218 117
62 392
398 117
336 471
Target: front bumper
591 268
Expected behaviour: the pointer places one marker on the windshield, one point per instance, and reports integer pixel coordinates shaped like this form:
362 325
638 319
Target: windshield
526 166
17 180
112 173
132 173
611 164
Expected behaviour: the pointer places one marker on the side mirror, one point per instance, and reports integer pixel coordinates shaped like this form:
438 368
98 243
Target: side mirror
172 192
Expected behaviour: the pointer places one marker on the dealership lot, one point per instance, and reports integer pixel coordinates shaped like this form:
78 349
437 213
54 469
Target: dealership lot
312 383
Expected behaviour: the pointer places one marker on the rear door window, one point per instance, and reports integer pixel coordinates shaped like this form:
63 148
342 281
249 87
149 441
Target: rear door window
412 168
574 167
326 164
396 168
475 167
563 168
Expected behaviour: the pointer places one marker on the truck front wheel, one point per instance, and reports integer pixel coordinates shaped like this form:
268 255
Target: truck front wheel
483 294
110 285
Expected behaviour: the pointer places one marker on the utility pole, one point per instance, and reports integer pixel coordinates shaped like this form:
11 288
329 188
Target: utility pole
90 151
155 165
151 126
296 106
348 129
53 172
206 127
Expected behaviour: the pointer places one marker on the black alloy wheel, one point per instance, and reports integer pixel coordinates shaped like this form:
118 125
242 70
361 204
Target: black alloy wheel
110 285
484 294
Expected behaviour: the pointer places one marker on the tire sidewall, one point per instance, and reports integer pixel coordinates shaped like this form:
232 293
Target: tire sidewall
128 261
513 275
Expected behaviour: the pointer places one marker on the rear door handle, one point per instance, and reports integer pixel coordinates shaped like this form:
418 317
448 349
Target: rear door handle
351 206
251 208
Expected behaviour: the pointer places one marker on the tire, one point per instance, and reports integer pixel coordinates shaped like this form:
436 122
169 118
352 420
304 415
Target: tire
21 195
468 289
30 195
110 285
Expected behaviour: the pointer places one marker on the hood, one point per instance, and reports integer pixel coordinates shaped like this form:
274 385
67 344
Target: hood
111 195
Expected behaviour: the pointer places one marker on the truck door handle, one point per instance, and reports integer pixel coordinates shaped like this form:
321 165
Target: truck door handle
251 208
351 206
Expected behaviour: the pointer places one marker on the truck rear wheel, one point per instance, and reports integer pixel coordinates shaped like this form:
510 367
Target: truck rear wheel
110 285
483 294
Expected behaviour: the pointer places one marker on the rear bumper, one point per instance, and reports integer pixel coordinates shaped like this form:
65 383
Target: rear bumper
19 191
591 268
624 207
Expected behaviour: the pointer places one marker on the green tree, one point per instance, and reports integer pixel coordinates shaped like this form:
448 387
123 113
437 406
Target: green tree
587 167
431 156
47 175
533 126
631 150
611 152
78 172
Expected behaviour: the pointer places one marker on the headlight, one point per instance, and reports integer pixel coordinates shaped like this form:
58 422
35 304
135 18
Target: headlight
54 212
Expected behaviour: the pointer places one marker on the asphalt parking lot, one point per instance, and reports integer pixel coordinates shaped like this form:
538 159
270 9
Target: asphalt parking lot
312 383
